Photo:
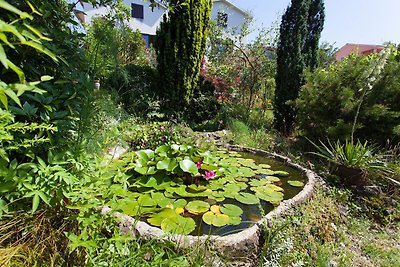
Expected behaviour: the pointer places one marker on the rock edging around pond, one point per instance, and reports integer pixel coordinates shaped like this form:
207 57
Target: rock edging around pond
242 246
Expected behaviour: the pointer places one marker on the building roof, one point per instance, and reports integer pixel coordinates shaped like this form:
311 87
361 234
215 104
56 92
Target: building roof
245 13
360 49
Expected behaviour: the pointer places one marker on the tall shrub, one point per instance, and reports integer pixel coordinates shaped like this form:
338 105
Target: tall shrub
180 47
330 99
301 26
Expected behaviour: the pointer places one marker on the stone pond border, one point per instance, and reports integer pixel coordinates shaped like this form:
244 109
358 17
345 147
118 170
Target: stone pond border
241 245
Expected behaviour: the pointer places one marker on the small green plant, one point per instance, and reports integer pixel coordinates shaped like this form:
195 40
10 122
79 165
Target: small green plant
350 154
352 161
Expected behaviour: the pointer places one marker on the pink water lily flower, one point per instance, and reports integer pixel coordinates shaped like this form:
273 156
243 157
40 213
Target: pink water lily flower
198 165
208 175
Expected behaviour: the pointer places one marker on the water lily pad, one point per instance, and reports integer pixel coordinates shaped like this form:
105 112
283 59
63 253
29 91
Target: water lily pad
163 164
217 196
235 220
215 209
180 203
231 187
261 182
272 196
296 183
217 220
178 225
189 166
197 206
161 200
162 150
266 171
197 188
146 201
274 187
247 198
272 178
246 172
281 173
231 210
264 166
156 219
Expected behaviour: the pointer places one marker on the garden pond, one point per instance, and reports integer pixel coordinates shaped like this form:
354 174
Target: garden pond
185 190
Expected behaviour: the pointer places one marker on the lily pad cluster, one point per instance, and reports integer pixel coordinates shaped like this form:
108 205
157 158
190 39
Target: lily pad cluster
175 185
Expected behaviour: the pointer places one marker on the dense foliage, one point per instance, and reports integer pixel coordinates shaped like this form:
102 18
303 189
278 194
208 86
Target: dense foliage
300 29
180 45
328 102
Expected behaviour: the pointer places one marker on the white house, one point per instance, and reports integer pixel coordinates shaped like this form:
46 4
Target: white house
145 19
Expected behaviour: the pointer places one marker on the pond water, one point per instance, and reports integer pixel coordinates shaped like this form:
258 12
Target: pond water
251 213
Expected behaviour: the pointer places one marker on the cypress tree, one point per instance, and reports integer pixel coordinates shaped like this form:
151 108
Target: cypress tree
180 46
300 30
290 63
315 24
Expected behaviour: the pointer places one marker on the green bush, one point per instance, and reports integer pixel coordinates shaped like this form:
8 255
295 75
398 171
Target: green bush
328 103
135 88
153 134
204 105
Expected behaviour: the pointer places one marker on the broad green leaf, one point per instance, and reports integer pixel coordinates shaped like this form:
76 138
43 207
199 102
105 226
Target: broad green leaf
197 206
264 166
142 170
178 225
188 166
281 173
235 220
272 196
162 150
157 218
163 164
296 183
247 198
217 220
231 210
146 201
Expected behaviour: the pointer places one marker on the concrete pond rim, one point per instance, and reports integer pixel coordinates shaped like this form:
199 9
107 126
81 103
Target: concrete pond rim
236 245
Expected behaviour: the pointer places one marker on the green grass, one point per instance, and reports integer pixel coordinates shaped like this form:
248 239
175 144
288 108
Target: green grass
331 230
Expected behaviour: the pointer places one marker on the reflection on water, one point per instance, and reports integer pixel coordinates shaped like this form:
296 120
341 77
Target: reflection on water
251 213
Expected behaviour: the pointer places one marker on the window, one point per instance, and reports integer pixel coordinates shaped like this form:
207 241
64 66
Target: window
137 11
148 39
222 19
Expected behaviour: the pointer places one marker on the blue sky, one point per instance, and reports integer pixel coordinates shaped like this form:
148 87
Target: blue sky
347 21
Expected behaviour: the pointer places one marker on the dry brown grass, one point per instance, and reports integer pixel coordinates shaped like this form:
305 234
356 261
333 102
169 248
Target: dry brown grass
37 240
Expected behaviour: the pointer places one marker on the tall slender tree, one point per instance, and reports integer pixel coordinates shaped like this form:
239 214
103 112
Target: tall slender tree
300 29
315 25
180 47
